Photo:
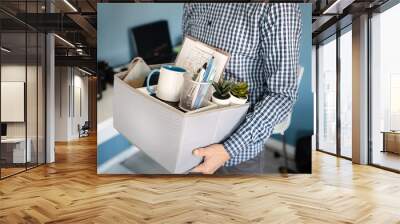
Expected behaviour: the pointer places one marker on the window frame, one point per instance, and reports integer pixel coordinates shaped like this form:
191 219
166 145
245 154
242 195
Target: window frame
337 35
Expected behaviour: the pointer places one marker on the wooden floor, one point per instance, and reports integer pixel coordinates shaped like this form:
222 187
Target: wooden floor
387 159
70 191
5 172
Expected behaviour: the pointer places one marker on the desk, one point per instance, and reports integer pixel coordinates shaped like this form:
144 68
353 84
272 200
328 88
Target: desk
391 141
15 148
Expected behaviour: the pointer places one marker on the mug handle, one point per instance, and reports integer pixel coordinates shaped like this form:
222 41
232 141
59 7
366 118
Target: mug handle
149 89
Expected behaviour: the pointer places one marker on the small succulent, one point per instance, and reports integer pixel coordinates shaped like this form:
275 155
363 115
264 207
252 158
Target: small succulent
240 90
222 89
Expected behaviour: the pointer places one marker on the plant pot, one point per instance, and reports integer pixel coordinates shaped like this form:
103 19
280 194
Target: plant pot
221 102
237 100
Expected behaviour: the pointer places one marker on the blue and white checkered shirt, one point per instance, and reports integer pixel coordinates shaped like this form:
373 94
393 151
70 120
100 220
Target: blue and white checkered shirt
263 41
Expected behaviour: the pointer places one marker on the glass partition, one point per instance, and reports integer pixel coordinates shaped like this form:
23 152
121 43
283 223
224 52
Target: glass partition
22 67
13 105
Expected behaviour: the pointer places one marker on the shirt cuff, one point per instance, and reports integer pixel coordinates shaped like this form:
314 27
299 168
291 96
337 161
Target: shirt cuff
234 145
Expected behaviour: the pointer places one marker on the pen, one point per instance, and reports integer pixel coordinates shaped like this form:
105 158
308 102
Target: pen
206 78
209 67
201 72
193 89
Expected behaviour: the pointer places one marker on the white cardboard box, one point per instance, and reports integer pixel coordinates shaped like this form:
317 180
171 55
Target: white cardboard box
165 133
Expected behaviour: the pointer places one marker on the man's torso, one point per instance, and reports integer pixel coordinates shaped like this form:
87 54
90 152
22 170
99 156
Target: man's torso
234 28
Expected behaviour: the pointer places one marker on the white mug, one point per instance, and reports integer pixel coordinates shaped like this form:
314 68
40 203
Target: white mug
170 83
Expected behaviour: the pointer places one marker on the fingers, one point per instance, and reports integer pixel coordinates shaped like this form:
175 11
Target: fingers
202 168
199 169
200 152
211 160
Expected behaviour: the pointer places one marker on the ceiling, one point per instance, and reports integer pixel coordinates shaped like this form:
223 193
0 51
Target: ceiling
16 42
331 15
76 22
72 20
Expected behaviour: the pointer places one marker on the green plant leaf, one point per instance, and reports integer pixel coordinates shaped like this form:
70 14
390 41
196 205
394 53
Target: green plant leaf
222 89
240 89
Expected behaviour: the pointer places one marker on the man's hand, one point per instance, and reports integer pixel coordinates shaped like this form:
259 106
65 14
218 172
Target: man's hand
214 157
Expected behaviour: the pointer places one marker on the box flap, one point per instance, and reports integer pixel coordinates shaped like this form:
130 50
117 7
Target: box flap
195 53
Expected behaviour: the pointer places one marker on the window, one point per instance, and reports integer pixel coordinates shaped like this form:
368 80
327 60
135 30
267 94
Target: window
385 89
346 74
327 95
394 102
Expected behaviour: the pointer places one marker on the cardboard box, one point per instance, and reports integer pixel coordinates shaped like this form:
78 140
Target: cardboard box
169 135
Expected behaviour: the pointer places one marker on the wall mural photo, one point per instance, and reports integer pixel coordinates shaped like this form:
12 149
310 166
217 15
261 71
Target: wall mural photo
215 88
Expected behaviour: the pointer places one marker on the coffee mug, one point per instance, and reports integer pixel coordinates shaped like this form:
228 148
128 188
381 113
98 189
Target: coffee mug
170 82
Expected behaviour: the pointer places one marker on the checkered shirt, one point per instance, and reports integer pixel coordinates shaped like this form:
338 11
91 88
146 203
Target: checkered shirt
263 41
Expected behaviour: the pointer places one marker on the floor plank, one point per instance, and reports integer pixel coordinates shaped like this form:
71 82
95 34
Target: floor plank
70 191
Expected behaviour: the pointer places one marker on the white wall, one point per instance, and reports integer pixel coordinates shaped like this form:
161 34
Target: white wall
79 115
16 72
70 83
12 73
62 80
82 82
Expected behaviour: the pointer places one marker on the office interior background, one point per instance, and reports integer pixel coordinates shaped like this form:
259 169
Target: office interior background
45 87
356 115
332 74
332 68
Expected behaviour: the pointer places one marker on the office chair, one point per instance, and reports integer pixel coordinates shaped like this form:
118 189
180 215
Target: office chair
3 131
84 130
284 125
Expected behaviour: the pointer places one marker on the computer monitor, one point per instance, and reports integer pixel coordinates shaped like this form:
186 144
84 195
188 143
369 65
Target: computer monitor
3 129
153 42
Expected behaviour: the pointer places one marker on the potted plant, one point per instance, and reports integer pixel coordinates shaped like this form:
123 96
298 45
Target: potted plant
221 95
239 93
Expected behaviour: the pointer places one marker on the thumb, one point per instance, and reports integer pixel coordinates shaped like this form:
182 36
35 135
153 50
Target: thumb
201 152
199 169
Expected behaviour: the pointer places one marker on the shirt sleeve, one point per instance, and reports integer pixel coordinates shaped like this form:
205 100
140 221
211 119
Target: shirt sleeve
280 37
